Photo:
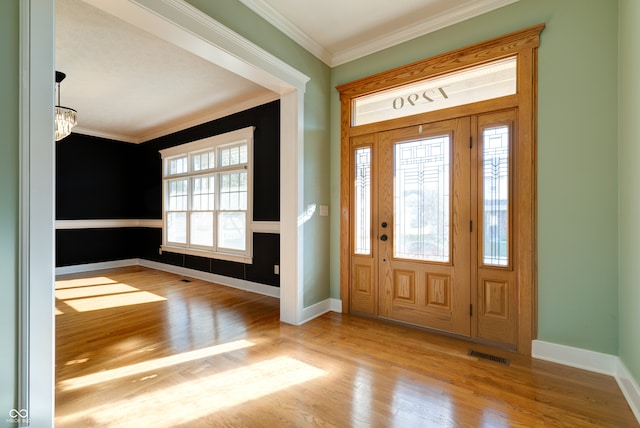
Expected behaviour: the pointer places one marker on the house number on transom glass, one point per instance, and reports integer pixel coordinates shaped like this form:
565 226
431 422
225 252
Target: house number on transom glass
483 82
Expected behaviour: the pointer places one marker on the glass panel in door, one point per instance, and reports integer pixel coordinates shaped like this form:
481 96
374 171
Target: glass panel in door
421 202
423 234
495 201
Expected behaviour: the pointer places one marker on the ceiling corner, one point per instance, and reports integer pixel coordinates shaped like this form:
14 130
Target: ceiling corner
288 28
451 16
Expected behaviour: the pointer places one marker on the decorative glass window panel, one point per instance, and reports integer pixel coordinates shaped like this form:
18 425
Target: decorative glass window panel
483 82
362 201
495 201
421 199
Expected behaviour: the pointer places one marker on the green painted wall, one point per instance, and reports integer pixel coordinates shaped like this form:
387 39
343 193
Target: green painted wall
577 157
629 189
9 84
243 21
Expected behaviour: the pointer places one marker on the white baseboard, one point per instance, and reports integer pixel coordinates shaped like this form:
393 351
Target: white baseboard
575 357
595 362
629 388
241 284
96 266
320 308
336 305
309 313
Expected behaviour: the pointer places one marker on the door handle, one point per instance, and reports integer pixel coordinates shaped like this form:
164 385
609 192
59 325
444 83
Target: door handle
383 237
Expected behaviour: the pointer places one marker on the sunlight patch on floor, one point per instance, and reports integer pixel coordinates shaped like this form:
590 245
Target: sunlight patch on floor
113 301
189 401
92 294
151 365
83 282
93 291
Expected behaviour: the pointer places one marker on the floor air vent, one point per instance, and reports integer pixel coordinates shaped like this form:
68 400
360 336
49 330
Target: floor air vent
500 360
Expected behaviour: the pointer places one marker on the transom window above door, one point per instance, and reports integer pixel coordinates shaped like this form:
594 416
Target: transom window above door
478 83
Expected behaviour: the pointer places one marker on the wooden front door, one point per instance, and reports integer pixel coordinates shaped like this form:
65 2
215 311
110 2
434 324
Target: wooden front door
438 192
423 230
434 216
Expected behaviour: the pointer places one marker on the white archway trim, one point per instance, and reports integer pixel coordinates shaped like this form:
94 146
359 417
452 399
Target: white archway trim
291 207
181 24
37 213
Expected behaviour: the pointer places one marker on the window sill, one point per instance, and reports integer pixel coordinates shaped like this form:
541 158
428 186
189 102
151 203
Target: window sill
208 254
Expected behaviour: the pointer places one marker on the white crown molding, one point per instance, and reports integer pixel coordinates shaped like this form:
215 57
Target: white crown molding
432 24
453 16
275 18
220 113
199 120
107 135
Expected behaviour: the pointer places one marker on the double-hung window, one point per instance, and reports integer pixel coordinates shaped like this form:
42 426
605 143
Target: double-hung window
207 197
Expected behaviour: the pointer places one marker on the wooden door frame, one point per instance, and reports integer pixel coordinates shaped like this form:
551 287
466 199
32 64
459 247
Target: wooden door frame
524 45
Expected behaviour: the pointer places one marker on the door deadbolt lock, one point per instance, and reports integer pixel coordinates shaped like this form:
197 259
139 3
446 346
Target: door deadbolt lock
384 224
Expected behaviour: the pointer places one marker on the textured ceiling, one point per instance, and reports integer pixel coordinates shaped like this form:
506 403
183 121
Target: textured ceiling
129 85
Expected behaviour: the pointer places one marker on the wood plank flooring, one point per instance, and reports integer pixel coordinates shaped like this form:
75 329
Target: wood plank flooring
140 348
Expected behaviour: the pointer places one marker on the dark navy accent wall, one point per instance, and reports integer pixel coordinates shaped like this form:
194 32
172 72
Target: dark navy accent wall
98 178
80 246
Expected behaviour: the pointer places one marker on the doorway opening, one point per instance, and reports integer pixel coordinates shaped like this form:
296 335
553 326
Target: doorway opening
196 31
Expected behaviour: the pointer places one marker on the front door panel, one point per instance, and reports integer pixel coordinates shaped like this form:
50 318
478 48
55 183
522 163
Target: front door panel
424 225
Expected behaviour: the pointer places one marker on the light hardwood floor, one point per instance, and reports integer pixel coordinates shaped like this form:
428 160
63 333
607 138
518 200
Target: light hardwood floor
140 348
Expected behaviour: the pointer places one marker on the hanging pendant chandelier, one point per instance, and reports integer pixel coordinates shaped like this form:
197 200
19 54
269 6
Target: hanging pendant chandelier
66 118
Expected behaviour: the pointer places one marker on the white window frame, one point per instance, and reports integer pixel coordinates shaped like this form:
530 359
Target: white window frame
215 143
